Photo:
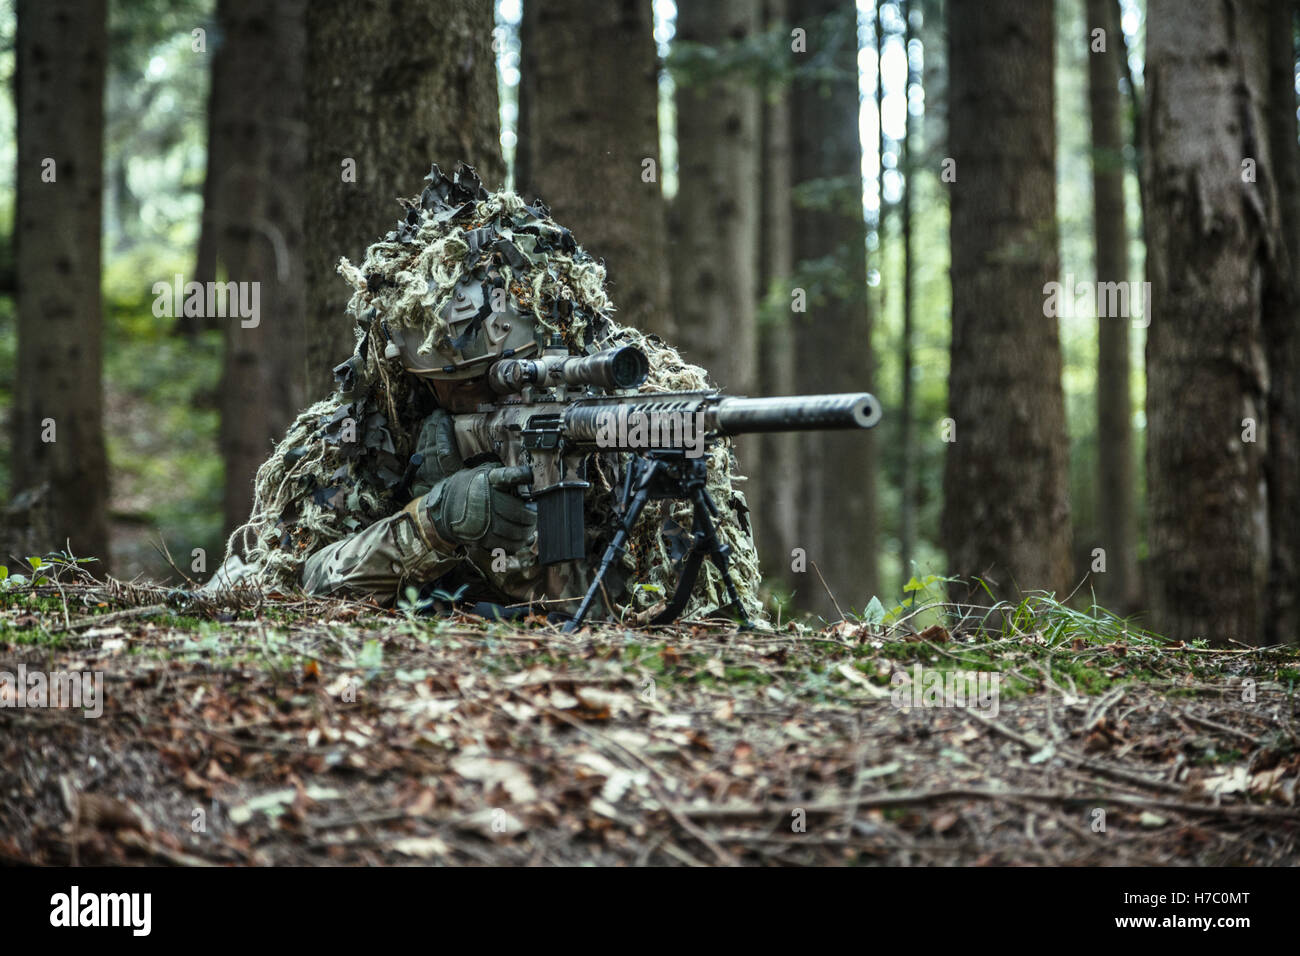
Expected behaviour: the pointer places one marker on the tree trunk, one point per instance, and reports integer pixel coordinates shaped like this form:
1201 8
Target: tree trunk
1282 343
837 528
1006 516
1210 233
1115 478
1138 127
882 210
906 413
593 142
934 77
392 87
528 68
775 490
218 206
58 402
715 254
256 228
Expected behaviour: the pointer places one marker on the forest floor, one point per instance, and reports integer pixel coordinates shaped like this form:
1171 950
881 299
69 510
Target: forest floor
324 732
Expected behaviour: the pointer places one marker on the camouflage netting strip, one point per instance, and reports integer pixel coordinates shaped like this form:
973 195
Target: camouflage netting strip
406 280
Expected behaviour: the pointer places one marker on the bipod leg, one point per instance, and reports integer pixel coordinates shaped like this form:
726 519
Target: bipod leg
719 553
631 512
706 542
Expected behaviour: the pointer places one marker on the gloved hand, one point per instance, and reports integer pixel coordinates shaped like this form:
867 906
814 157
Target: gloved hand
478 507
437 443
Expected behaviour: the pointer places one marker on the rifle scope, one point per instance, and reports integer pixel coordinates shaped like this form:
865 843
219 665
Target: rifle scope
622 367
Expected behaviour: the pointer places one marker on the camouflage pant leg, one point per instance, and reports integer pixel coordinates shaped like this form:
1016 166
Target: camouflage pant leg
377 561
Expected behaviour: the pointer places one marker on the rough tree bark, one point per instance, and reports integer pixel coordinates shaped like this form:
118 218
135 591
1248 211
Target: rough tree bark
59 393
592 78
1115 477
1282 338
775 491
837 527
1210 236
1006 511
256 162
393 85
715 249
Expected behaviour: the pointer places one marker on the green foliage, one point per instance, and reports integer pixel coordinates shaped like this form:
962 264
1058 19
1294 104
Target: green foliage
412 604
922 601
371 657
156 123
1042 613
55 566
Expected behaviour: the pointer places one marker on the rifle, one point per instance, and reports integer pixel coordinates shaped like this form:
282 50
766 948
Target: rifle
555 411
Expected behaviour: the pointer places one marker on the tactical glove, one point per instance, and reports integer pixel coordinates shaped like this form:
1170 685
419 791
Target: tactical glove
477 507
437 443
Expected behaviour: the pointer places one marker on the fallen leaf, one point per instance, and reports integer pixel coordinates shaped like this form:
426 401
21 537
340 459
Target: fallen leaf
538 675
272 804
936 633
423 847
490 772
605 702
1236 780
423 804
968 733
563 700
944 822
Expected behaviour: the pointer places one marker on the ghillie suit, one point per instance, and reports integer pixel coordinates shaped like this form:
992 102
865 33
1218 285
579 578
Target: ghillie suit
341 465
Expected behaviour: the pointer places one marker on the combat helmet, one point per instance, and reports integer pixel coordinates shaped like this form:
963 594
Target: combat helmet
469 277
478 333
482 318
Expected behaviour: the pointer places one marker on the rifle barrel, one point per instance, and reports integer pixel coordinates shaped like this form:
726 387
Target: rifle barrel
728 415
740 416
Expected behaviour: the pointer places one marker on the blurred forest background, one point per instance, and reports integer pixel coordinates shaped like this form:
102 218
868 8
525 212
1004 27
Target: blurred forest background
805 196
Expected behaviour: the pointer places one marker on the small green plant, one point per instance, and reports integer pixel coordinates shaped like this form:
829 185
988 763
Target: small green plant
371 657
41 571
412 604
1043 613
920 594
33 579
